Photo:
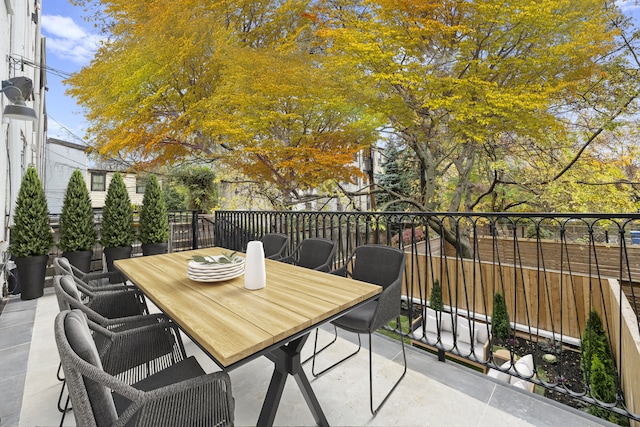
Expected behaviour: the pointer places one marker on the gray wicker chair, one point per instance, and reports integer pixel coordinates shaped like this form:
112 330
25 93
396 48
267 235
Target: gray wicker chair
95 281
315 253
108 304
274 245
180 395
113 310
380 265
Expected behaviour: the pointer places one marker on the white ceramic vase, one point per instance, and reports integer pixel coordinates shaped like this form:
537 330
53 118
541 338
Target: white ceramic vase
255 276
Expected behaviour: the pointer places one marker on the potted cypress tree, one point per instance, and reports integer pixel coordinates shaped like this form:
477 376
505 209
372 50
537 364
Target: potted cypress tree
154 225
77 230
117 231
31 238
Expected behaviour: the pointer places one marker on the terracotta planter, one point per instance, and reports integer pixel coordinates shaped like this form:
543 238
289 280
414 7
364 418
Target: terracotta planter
31 274
154 248
80 259
113 254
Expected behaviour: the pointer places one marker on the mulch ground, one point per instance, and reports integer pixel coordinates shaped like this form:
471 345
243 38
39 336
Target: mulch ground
566 372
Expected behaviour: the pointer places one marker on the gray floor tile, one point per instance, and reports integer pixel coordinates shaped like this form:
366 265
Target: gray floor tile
13 318
14 361
18 334
426 397
11 401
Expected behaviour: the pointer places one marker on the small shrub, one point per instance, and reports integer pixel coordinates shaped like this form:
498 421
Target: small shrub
599 369
435 299
500 325
595 344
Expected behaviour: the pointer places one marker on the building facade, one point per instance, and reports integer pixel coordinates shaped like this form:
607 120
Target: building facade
61 159
22 143
98 180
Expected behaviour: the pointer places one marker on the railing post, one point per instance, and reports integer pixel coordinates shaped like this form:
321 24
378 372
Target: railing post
194 229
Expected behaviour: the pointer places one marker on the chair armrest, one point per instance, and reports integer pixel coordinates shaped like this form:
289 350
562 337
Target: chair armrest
208 397
100 275
114 304
324 267
122 351
416 323
486 351
342 271
91 289
388 304
288 259
131 321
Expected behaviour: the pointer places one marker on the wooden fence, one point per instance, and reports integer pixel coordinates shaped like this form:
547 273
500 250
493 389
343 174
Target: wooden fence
551 301
607 260
547 303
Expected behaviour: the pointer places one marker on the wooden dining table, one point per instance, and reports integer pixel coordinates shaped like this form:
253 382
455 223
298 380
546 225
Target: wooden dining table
235 325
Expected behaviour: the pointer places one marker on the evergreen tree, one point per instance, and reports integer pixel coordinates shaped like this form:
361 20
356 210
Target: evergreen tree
396 178
154 225
598 367
77 229
31 233
500 325
117 217
435 299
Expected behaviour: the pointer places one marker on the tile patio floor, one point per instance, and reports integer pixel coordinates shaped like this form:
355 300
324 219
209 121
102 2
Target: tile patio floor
432 393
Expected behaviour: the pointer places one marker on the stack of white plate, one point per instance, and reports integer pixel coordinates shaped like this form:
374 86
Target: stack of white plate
203 272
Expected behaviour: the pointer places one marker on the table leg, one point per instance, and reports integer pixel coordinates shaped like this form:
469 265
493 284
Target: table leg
287 362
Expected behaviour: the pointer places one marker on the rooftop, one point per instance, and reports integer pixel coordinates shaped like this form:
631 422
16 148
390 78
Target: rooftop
432 393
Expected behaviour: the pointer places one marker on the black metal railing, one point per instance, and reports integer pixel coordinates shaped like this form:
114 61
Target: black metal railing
188 230
552 271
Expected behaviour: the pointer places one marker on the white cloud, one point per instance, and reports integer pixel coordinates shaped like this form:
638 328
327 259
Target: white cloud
67 40
628 5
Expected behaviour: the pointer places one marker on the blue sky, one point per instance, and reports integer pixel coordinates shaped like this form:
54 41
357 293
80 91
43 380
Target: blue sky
71 42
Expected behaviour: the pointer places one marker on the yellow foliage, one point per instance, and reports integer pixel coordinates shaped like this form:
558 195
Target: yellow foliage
287 92
232 81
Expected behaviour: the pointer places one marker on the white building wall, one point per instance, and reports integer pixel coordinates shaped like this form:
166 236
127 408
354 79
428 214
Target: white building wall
61 160
21 142
130 180
5 183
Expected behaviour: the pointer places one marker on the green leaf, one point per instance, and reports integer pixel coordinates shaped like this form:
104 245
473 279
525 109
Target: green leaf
225 258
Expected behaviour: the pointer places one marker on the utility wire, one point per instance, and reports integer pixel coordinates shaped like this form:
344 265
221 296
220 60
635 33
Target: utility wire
20 61
73 135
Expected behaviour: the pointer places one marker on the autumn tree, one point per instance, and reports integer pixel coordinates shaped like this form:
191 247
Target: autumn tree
503 105
481 90
240 83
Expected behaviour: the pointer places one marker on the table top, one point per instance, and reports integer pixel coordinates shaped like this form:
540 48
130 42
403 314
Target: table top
232 323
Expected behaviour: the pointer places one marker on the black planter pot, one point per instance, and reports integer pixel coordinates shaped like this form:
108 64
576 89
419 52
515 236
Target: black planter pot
80 259
31 273
113 254
154 248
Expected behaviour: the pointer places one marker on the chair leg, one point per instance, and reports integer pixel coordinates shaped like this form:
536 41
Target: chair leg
60 377
404 357
335 338
66 408
60 408
313 364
